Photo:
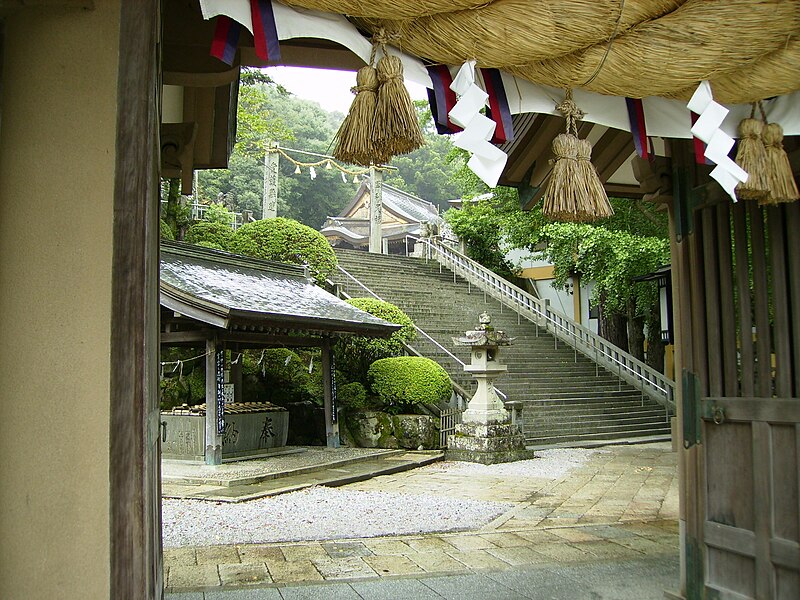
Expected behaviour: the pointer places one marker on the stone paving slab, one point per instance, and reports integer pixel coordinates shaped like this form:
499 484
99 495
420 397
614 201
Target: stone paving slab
614 509
641 579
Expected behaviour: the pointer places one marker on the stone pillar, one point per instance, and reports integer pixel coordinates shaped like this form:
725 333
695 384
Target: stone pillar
375 210
269 205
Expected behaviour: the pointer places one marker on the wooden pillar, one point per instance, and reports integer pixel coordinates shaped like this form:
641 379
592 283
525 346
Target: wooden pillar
329 382
686 302
576 299
375 210
213 453
269 205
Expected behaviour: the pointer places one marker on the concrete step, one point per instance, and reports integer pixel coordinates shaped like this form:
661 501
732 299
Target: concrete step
331 474
557 385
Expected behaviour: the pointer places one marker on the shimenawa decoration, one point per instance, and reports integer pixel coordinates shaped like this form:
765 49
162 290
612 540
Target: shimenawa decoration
782 186
718 143
751 156
486 161
574 191
354 138
395 129
382 122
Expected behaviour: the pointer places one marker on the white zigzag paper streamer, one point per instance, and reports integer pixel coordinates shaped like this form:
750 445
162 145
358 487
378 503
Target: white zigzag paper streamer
718 143
487 160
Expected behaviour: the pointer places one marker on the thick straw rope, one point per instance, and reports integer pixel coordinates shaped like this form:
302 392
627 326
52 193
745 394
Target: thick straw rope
661 47
395 129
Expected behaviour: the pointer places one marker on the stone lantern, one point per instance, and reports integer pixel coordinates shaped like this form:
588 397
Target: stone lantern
486 434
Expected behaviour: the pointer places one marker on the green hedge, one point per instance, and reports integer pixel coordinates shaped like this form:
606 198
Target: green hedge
221 236
405 381
353 396
285 240
355 354
166 230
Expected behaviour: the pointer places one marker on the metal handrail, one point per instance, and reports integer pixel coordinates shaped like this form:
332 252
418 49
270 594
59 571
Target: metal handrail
600 350
459 389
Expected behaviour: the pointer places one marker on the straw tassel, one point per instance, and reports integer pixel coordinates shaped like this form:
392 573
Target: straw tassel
354 138
782 186
396 128
574 191
752 157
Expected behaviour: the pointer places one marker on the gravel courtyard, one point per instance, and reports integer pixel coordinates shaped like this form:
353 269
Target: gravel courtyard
558 487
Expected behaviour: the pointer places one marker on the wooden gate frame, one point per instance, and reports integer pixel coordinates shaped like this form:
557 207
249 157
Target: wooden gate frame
723 383
135 504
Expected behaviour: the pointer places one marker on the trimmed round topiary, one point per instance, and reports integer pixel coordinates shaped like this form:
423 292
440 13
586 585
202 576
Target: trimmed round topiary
166 230
212 233
211 245
355 354
405 381
286 240
352 396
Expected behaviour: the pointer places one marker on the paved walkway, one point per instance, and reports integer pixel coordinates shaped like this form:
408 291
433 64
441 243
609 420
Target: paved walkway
611 521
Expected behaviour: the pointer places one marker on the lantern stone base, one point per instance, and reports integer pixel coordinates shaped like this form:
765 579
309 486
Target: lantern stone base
487 444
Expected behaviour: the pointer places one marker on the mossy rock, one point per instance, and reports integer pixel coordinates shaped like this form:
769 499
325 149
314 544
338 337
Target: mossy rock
375 429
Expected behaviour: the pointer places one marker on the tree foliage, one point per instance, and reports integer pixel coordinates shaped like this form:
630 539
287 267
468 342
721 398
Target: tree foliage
355 354
429 171
210 232
268 113
285 240
610 252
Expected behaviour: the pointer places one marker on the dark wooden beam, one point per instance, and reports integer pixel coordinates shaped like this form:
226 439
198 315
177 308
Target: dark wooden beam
135 524
612 150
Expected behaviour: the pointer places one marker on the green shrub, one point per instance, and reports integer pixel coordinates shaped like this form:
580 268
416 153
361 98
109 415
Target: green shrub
277 375
285 240
355 354
165 230
405 381
221 236
184 384
352 396
210 245
218 213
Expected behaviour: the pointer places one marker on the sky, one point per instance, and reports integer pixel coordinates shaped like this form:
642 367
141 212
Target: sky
330 88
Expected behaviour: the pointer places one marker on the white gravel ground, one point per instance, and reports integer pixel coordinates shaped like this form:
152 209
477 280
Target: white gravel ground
321 513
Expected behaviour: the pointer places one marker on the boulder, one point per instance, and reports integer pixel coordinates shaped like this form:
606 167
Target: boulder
374 429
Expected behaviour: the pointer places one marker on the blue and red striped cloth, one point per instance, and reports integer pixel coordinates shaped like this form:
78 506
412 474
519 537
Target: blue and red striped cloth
265 34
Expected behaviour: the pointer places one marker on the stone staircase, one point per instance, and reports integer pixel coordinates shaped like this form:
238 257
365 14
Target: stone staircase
567 399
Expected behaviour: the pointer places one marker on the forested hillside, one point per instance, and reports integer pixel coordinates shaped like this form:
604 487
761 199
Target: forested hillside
266 112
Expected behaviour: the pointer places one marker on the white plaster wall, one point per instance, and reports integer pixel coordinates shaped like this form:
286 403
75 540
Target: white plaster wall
57 152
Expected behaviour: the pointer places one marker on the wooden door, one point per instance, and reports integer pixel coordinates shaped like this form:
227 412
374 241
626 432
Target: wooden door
751 532
736 289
